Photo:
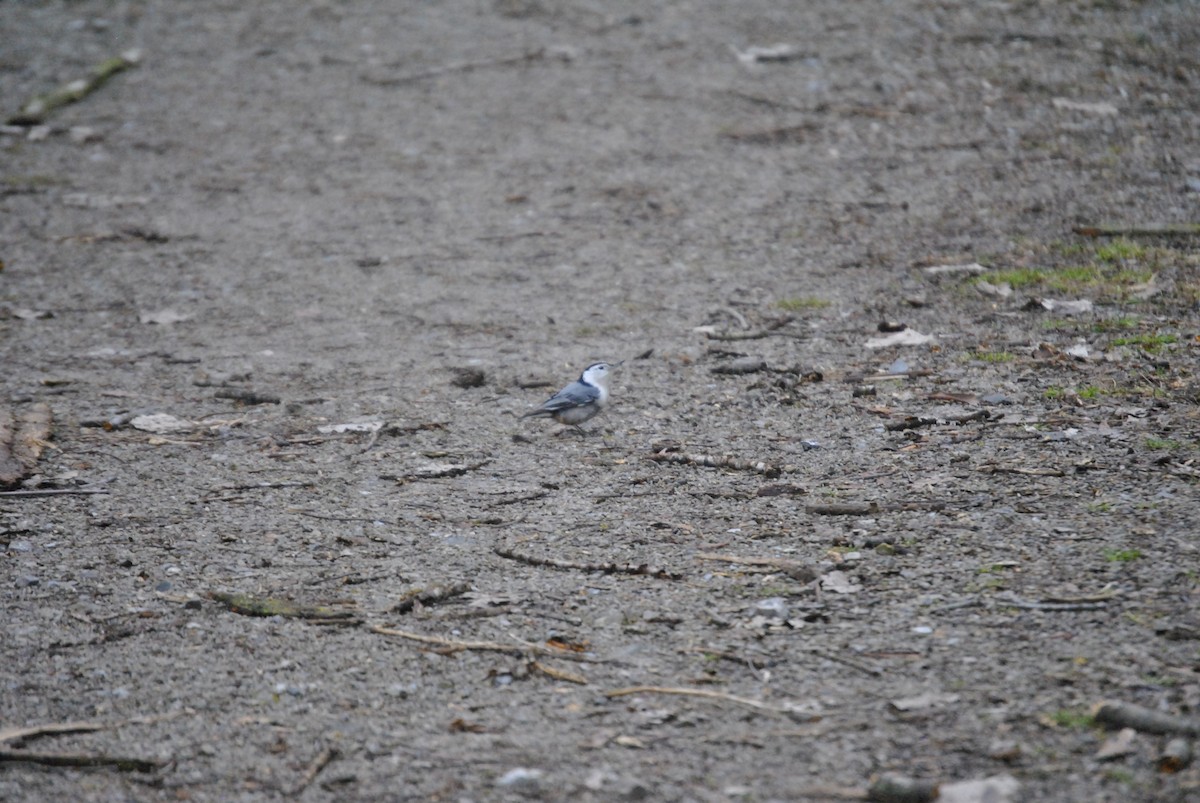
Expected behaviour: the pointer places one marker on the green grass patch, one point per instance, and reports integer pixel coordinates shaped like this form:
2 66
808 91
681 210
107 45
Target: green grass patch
1120 249
1054 392
802 303
994 356
1149 342
1124 323
1089 392
1162 443
1122 555
1076 720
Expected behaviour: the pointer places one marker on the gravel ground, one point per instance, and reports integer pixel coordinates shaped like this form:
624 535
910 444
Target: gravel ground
899 475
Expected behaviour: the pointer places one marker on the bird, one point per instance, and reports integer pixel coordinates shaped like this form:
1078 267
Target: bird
579 401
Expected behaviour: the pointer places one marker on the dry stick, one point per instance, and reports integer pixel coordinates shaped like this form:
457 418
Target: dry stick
828 656
843 509
708 694
50 729
767 331
1029 472
428 596
443 472
1127 715
462 66
558 674
708 461
319 763
864 508
448 646
797 570
1030 605
643 569
52 492
38 109
122 763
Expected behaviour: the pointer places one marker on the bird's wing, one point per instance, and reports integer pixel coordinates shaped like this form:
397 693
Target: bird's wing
575 394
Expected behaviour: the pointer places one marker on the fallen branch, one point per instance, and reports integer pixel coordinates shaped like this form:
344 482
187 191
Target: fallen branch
1116 714
450 646
708 461
37 110
793 568
643 569
315 766
249 605
429 596
122 763
1150 230
707 694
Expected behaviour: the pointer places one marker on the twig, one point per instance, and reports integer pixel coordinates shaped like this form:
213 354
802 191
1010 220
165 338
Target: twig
708 694
1116 714
770 329
558 674
1028 472
449 646
843 509
33 492
828 656
793 568
49 729
429 596
644 569
1031 605
709 461
867 508
315 766
1150 230
462 66
122 763
38 109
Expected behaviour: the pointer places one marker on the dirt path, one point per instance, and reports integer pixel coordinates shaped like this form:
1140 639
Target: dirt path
287 284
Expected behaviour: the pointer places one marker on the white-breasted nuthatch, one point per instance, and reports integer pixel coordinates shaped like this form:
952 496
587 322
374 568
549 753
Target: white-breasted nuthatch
580 400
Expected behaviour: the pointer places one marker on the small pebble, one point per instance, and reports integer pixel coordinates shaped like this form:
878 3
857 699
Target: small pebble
27 580
772 607
523 780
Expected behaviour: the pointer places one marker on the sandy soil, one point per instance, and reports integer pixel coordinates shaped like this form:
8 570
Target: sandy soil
929 557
